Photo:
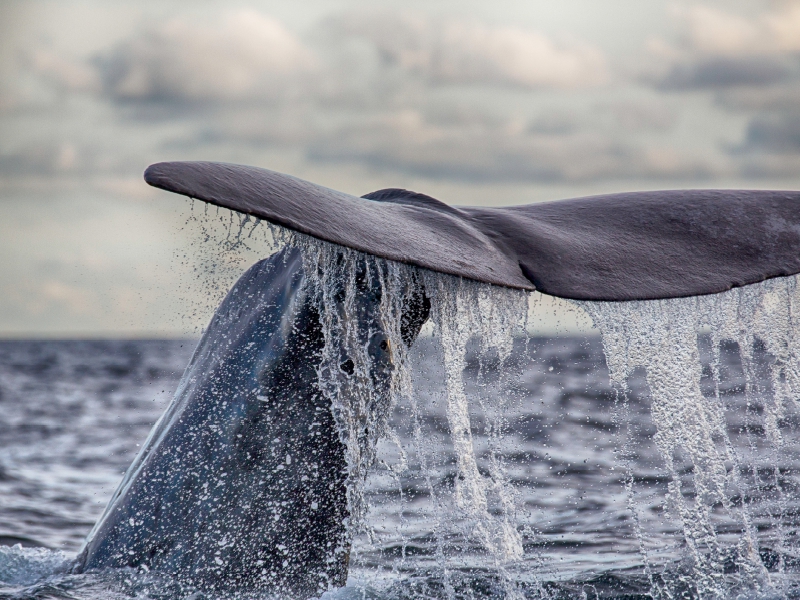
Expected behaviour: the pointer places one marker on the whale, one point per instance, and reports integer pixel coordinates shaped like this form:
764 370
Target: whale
241 484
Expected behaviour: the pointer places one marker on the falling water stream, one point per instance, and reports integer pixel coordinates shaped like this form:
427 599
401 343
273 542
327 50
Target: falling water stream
691 431
440 486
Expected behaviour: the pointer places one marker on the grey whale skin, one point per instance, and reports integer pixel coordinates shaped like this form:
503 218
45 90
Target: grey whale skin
631 246
241 482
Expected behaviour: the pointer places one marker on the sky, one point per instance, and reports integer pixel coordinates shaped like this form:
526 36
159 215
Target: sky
476 103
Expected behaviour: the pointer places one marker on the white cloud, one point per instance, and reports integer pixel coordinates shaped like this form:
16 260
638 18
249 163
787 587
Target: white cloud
723 50
68 73
247 55
463 52
711 31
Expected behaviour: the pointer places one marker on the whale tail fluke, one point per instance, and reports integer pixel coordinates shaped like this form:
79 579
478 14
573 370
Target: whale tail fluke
615 247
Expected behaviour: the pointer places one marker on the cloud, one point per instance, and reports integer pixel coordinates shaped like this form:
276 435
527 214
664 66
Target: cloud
765 166
777 133
752 64
66 72
461 52
41 158
631 116
720 50
727 72
351 59
57 295
246 56
447 99
710 31
783 98
771 144
406 141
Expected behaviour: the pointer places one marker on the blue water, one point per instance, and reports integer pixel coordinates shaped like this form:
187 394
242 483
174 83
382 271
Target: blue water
73 412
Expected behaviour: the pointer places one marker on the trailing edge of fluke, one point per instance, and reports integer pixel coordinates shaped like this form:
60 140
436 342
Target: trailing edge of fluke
615 247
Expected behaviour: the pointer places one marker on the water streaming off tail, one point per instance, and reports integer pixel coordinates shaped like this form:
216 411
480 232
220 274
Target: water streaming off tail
477 508
721 526
463 310
361 382
731 498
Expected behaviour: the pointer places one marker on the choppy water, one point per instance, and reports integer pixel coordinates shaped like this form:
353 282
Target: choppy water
589 485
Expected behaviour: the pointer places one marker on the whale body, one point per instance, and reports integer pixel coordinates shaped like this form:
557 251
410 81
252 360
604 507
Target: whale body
242 482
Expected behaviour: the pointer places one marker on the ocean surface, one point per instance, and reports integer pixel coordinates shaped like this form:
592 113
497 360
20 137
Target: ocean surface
577 491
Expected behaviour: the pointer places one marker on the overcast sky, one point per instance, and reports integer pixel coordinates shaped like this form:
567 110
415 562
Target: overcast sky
501 102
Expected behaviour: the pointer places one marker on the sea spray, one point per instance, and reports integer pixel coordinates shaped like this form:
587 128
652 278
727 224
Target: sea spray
662 337
221 245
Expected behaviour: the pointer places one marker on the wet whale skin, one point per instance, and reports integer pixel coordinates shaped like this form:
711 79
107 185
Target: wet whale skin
241 484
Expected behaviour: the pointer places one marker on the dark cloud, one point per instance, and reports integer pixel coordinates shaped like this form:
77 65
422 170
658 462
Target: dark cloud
766 166
782 98
41 159
776 134
406 142
726 72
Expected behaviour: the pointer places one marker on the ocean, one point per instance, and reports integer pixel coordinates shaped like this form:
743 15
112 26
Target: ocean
578 493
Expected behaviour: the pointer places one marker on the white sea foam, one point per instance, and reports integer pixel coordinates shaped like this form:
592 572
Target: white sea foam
25 566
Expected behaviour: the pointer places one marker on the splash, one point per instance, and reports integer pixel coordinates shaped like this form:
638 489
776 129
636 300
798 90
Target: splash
221 245
25 566
662 337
